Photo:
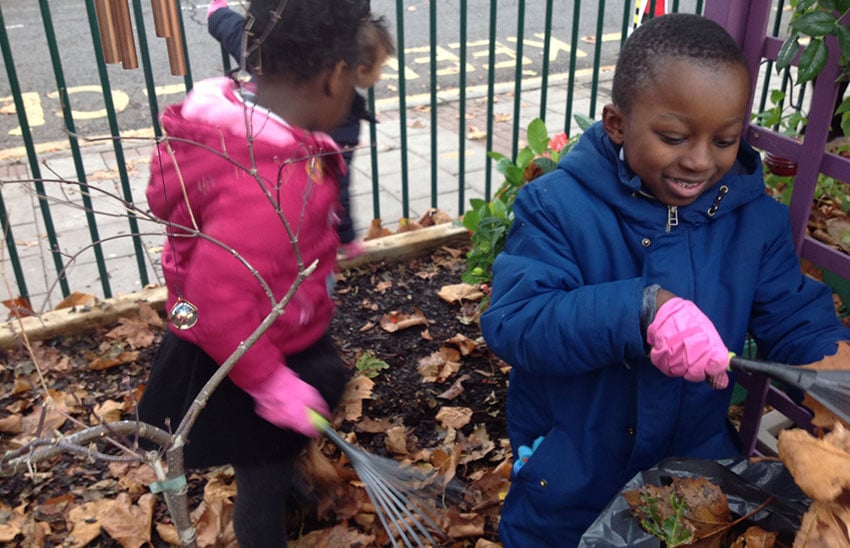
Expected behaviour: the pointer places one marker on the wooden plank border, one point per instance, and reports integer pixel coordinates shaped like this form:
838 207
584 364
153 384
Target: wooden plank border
73 321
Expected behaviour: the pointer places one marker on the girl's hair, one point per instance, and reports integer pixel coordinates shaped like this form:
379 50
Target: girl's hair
374 38
300 38
662 39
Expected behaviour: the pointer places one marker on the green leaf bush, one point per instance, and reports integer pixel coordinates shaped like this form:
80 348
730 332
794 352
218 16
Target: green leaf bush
489 221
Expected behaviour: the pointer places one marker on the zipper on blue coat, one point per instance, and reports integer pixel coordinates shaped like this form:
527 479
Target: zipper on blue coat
672 217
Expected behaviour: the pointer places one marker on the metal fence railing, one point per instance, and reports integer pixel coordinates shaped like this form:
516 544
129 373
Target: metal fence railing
81 118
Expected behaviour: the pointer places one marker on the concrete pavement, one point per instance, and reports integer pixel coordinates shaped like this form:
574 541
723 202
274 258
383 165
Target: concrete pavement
75 235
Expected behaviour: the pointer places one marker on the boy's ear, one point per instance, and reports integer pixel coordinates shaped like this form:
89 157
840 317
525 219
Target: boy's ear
339 80
612 123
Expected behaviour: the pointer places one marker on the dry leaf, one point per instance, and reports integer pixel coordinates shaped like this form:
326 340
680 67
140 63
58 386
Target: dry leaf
455 390
108 411
11 526
84 522
376 230
820 468
359 388
464 343
341 535
838 229
127 523
383 286
477 445
434 216
134 331
463 525
440 365
150 316
454 417
396 440
214 523
394 321
13 424
132 477
406 225
108 361
824 524
755 537
19 307
460 292
76 299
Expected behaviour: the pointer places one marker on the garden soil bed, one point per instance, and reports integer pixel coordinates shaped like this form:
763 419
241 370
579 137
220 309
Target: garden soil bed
437 363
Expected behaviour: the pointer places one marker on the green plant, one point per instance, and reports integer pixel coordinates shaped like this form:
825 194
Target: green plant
489 222
369 365
672 530
787 120
811 23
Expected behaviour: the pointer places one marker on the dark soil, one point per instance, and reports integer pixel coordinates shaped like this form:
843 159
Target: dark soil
400 392
363 296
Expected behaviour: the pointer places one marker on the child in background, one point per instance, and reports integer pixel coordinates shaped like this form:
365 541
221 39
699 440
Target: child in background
375 45
628 275
201 178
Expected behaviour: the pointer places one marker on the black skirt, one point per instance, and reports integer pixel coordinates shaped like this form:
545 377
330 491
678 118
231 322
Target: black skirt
227 431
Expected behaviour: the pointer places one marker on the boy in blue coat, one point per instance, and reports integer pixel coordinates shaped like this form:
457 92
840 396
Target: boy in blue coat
629 274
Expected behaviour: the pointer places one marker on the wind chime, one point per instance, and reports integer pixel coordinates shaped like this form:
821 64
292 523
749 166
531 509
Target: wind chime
116 36
116 33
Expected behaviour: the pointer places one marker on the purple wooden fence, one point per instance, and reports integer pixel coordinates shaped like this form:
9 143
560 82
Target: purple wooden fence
747 21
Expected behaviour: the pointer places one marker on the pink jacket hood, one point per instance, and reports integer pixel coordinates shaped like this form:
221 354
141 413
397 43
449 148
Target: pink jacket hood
201 179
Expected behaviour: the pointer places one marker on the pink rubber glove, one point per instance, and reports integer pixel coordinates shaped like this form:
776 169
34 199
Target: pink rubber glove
284 399
216 5
686 344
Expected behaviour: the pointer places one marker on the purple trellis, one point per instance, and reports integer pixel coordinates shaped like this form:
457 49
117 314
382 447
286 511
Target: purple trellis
747 21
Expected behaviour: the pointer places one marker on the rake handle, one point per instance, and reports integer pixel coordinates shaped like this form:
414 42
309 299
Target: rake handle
789 374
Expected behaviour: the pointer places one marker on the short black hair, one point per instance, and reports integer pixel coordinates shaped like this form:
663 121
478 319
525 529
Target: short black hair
307 37
664 38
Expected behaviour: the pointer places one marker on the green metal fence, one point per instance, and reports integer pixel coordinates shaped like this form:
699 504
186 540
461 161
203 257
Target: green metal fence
482 71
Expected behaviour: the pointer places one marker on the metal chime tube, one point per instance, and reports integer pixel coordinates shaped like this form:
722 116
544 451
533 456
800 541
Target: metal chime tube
126 42
108 36
174 40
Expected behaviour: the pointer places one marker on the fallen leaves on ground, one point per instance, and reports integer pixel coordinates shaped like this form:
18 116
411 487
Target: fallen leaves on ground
437 409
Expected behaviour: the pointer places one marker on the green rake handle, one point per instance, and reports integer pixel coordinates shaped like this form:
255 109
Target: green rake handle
320 422
324 426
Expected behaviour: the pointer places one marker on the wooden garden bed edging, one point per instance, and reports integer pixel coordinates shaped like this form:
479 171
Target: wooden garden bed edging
72 321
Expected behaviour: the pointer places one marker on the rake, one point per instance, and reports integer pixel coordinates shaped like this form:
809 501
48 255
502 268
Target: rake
831 388
391 487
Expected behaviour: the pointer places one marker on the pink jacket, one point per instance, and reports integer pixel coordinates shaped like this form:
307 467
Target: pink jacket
192 184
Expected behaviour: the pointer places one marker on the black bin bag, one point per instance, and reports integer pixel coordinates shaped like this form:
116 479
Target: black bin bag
747 485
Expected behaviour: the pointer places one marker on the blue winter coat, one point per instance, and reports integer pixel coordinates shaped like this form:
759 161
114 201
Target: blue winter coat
565 313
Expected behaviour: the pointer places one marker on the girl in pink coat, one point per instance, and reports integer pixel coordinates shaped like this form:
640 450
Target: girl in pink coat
234 170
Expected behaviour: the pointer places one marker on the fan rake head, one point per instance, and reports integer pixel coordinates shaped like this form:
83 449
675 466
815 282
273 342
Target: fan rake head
395 491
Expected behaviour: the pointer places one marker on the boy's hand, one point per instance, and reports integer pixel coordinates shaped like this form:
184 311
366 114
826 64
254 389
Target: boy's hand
285 399
686 344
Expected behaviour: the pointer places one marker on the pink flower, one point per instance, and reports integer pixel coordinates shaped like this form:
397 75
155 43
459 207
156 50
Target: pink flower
558 141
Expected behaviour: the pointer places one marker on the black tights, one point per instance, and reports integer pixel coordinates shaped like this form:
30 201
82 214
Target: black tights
259 514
